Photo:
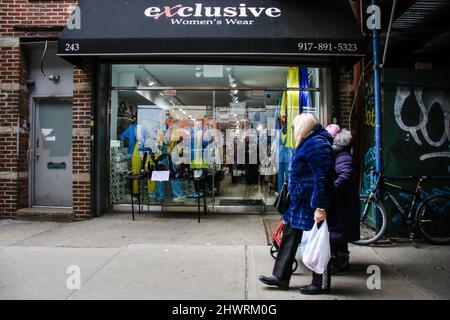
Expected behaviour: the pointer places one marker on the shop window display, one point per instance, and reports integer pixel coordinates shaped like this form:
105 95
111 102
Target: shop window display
237 139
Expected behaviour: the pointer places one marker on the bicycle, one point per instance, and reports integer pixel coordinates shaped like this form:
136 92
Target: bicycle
428 216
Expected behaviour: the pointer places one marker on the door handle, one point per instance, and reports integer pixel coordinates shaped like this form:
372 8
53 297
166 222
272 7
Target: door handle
38 148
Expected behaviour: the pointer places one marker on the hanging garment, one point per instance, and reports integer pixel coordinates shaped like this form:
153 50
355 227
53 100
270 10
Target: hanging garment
130 133
282 119
284 153
198 143
162 164
135 167
304 83
177 154
292 105
151 185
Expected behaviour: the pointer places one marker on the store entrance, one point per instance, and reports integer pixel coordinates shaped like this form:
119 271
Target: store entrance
230 133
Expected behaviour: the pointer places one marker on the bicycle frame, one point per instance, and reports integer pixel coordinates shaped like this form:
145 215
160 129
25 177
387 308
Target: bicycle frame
380 186
377 218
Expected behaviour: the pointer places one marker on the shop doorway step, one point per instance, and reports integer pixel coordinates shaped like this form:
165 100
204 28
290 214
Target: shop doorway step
45 214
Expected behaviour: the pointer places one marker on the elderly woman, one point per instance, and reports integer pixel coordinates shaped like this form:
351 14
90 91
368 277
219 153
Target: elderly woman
311 189
346 225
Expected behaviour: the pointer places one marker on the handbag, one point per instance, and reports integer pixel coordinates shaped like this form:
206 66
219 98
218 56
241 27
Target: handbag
283 199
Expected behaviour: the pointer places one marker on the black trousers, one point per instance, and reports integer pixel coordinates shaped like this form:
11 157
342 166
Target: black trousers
339 246
286 256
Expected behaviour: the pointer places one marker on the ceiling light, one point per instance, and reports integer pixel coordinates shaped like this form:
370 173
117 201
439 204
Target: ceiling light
235 115
198 68
235 91
198 74
233 85
150 82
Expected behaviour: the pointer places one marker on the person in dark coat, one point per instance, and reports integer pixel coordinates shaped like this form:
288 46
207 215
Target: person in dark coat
311 188
346 225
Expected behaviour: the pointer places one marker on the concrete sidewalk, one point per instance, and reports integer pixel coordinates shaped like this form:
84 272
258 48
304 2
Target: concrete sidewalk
174 257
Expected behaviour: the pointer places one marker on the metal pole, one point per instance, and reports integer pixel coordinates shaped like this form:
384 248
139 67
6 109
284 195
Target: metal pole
377 94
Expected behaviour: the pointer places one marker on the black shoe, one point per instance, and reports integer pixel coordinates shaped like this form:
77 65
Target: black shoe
312 289
340 263
274 281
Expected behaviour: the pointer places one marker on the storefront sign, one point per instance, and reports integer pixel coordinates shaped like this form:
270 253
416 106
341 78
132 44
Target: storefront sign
199 14
142 27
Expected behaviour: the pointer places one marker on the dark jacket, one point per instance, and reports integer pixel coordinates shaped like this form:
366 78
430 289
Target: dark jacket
346 226
311 177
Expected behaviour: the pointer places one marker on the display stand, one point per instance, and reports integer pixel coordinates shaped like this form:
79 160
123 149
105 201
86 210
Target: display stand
199 183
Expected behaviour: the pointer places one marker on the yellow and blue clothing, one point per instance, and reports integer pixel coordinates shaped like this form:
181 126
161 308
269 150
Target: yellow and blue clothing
130 133
291 104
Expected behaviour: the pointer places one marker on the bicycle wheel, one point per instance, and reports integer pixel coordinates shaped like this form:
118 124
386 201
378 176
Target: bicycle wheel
433 219
371 212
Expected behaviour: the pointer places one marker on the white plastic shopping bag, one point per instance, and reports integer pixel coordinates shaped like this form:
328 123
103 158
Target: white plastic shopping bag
304 242
316 253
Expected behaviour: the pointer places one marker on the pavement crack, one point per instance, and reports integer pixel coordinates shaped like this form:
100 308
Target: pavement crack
108 261
17 243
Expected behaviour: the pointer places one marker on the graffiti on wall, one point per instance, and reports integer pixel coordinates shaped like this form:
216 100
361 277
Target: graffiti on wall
368 179
369 106
420 131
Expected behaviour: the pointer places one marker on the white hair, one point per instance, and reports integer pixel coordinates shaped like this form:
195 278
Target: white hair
304 123
342 140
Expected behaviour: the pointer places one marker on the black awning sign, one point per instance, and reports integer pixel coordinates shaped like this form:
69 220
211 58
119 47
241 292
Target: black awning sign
142 27
200 14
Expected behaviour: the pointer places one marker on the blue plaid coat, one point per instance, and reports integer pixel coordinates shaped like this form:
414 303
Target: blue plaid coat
311 179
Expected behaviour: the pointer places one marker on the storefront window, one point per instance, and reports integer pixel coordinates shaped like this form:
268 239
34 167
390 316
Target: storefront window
226 125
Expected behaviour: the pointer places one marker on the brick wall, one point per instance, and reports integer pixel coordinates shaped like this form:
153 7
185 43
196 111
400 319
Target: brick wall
346 87
31 18
36 19
81 141
9 116
345 93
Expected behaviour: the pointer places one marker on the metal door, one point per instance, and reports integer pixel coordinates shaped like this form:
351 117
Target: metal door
53 152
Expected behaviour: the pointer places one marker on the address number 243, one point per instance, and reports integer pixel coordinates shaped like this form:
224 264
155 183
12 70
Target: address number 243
72 47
